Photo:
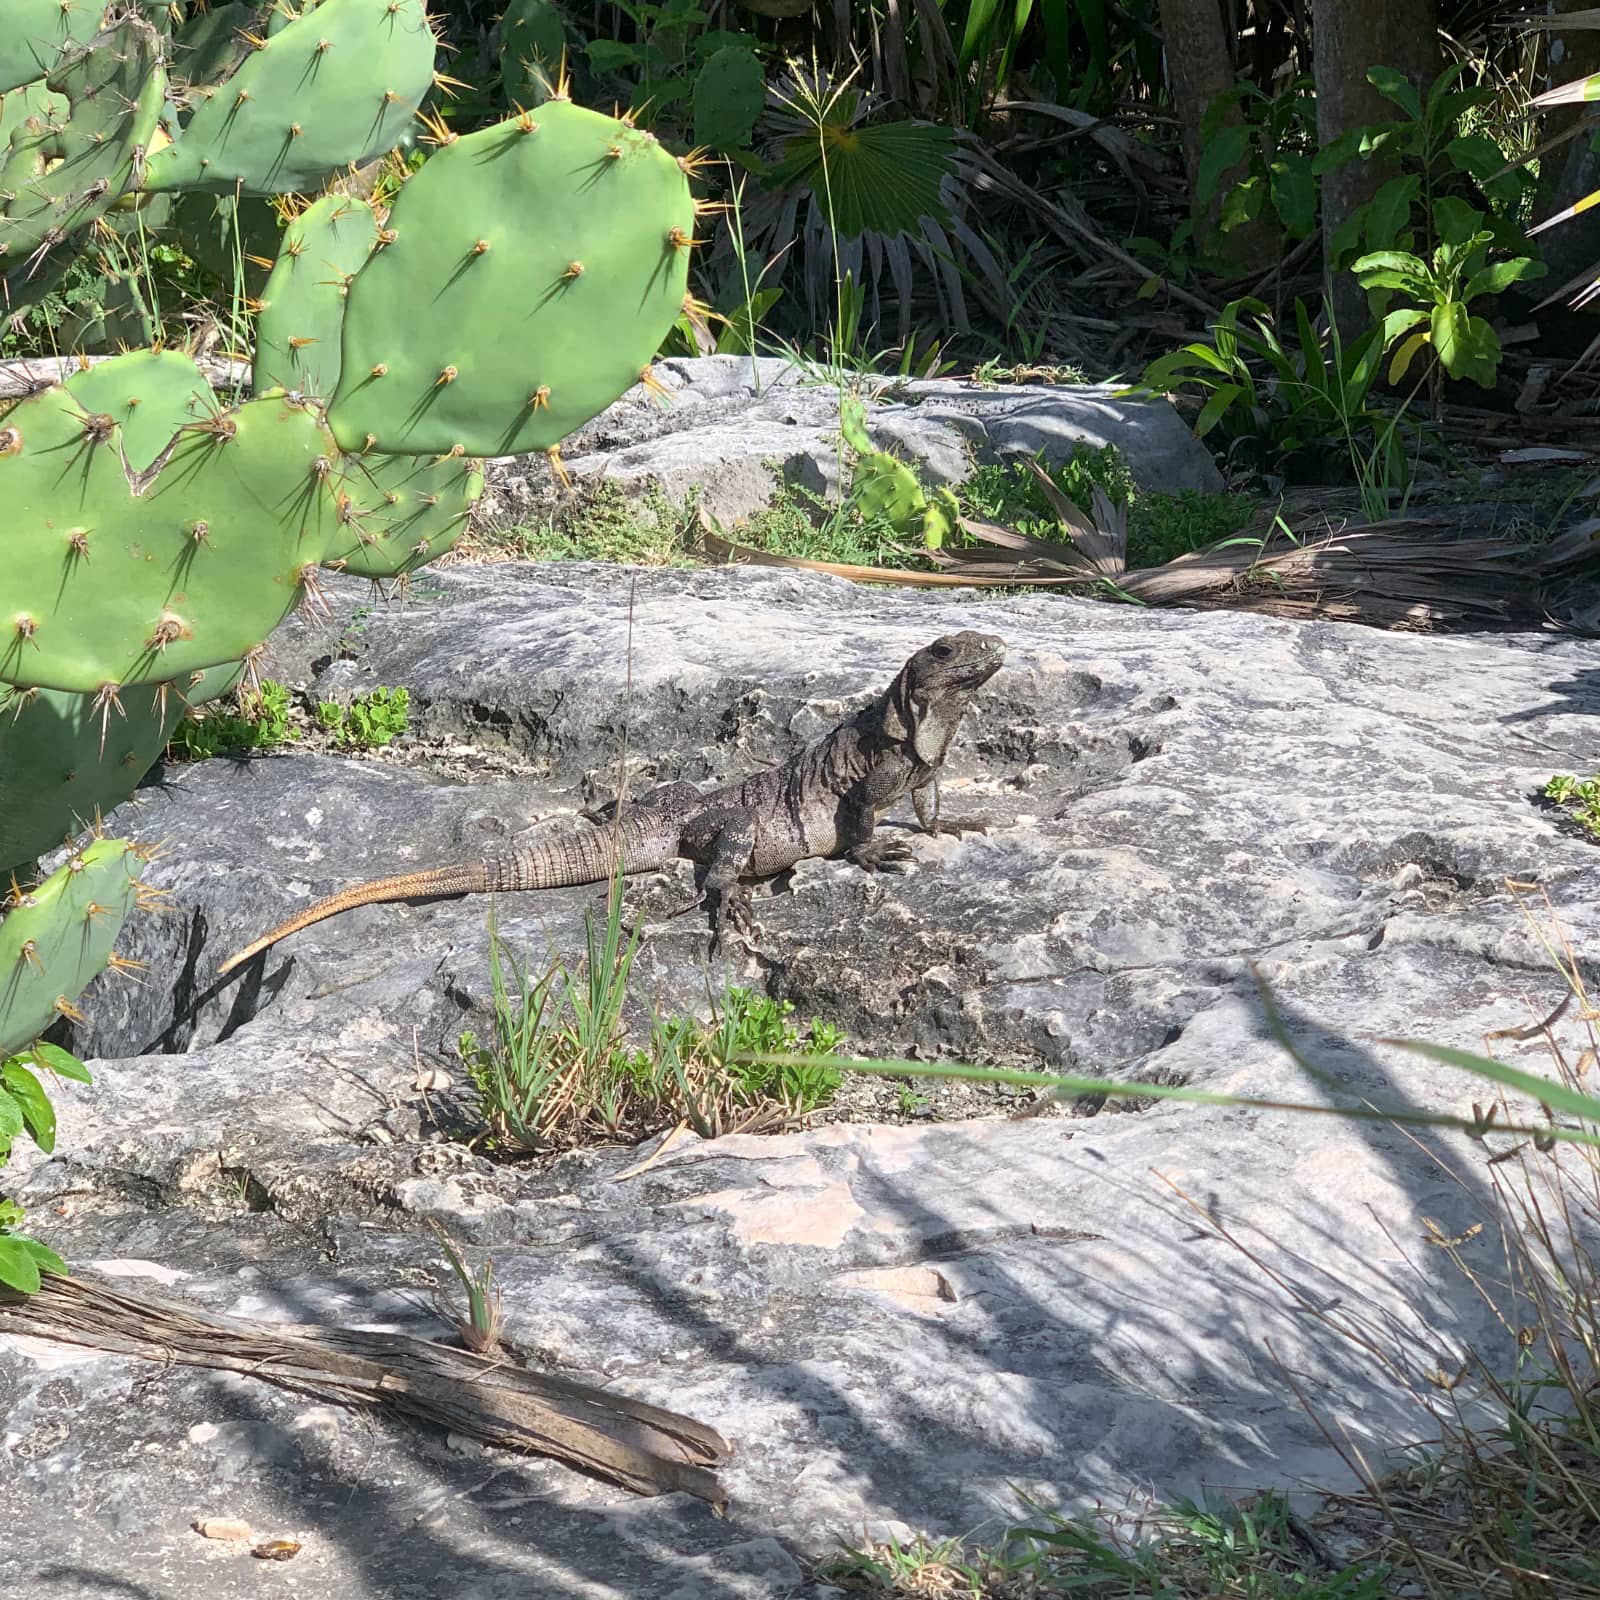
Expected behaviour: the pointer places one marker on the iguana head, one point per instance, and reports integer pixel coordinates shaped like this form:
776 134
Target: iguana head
926 701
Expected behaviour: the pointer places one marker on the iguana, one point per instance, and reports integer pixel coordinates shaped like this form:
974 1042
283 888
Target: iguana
825 800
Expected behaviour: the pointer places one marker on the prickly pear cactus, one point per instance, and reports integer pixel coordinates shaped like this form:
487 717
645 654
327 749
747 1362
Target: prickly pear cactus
336 86
105 588
729 92
552 254
58 178
57 937
405 510
150 394
302 306
65 762
533 46
36 34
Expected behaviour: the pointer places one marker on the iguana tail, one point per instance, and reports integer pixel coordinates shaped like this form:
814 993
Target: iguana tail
583 856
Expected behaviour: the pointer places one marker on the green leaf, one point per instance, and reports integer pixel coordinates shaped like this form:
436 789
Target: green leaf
54 1059
1397 87
1211 413
1558 1096
1224 150
37 1113
1498 276
1398 322
612 56
1294 194
1338 151
1406 353
1455 221
1390 212
1242 203
883 178
1394 269
19 1267
12 1121
1466 345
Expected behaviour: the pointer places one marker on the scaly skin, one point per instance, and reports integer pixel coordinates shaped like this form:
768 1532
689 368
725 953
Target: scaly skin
824 801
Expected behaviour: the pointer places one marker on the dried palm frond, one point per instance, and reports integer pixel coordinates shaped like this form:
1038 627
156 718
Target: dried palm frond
1396 574
640 1447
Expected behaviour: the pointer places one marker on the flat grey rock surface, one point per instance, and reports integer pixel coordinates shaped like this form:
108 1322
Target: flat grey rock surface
732 430
899 1325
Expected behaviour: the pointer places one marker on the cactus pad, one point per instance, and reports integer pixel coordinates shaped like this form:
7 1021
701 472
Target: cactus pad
151 393
336 86
107 588
533 40
34 103
729 92
302 306
405 510
551 255
59 177
64 762
36 33
57 937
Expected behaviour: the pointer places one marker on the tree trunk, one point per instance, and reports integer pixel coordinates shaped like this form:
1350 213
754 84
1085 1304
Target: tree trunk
1199 68
1348 37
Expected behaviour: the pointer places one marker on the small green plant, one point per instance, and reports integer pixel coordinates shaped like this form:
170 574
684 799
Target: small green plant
1275 141
261 722
479 1328
26 1108
1441 290
911 1104
1309 416
559 1071
369 722
1580 797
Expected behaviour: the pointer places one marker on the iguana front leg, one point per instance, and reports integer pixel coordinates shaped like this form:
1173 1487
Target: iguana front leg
857 820
926 802
723 837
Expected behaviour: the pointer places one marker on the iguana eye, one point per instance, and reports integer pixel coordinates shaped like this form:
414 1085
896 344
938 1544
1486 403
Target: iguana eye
941 652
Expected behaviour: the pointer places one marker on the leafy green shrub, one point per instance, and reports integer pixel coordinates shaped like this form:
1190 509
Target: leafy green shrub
1581 799
260 723
370 721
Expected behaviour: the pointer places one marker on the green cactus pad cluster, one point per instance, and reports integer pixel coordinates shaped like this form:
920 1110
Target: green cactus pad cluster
336 86
729 92
406 510
533 42
37 32
65 762
212 44
59 177
107 588
57 937
551 252
151 394
302 306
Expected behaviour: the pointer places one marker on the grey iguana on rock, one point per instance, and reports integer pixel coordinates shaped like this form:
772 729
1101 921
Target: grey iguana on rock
825 800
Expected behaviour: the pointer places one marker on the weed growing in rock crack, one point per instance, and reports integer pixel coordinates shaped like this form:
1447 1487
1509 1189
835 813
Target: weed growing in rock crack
25 1108
1581 799
560 1072
369 722
261 722
479 1327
